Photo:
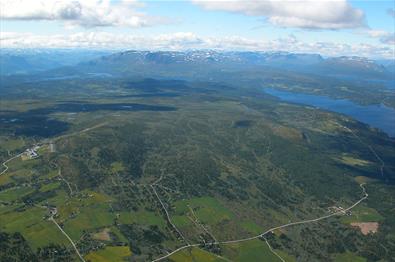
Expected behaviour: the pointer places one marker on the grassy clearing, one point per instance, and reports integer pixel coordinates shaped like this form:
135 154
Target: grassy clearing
287 132
182 221
51 174
251 227
329 126
255 250
102 235
59 199
95 197
118 234
66 206
113 254
13 144
352 161
15 193
348 257
16 164
364 179
87 219
8 208
285 256
43 234
209 210
195 255
49 187
16 221
362 214
5 178
117 167
32 226
19 174
86 213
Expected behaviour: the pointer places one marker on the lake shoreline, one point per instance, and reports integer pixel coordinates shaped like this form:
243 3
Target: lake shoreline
376 116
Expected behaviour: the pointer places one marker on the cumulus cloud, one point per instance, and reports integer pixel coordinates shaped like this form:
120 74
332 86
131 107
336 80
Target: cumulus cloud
86 13
187 41
311 14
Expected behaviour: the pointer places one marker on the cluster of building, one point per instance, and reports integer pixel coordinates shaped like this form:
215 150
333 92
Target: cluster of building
31 153
337 209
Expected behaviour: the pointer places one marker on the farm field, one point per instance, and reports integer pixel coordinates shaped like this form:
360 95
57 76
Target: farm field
139 177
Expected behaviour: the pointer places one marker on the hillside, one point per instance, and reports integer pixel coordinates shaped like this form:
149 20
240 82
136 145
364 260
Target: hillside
136 169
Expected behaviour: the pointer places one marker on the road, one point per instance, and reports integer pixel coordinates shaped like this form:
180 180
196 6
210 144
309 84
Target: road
78 132
67 183
274 252
365 195
51 142
167 214
8 160
199 224
52 219
71 191
67 236
342 212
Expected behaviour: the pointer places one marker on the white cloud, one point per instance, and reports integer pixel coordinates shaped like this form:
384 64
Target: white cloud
86 13
388 39
377 33
188 40
311 14
383 36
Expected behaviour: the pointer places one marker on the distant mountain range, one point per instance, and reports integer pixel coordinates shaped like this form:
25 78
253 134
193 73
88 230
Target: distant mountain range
188 63
26 61
214 60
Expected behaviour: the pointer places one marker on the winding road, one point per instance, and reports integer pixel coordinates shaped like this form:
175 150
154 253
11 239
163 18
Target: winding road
342 212
8 160
188 245
71 191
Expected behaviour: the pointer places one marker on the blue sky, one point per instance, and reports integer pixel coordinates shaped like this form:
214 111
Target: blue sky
330 27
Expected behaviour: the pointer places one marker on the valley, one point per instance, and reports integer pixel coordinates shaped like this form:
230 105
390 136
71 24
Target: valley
197 131
170 170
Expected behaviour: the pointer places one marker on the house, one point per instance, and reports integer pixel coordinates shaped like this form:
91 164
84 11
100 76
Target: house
31 153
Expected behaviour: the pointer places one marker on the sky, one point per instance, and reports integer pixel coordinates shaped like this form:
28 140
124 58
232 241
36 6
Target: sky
329 27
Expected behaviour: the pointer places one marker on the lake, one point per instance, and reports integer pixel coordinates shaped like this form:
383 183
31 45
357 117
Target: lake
378 116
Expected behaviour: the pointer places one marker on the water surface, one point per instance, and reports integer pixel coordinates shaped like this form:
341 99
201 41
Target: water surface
378 116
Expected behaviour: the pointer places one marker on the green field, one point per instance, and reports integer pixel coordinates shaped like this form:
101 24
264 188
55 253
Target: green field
15 193
87 219
33 227
49 187
362 214
195 255
226 163
254 250
113 254
348 257
252 227
208 210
